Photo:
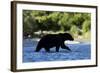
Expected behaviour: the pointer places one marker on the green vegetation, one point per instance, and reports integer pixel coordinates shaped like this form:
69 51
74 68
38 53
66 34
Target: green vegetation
39 23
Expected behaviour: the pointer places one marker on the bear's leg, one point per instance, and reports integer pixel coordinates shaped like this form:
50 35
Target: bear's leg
38 49
57 48
47 49
65 47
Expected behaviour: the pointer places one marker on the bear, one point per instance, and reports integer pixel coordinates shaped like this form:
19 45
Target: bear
54 40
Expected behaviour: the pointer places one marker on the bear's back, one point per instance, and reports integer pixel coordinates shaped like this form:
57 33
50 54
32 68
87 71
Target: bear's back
50 38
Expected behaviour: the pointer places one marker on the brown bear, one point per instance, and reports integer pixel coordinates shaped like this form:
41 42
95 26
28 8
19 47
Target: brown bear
54 40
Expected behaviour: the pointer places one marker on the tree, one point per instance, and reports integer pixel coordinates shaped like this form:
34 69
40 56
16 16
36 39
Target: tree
75 30
34 21
86 26
29 22
65 22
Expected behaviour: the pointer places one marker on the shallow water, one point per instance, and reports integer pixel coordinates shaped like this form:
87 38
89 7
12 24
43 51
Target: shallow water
79 51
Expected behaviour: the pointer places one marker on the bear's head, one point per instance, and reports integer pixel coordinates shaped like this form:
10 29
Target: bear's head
66 36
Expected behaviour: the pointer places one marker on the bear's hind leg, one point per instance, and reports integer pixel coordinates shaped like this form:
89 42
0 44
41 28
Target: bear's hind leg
47 49
57 48
38 49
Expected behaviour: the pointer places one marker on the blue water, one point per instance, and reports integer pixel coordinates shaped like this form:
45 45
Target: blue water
79 51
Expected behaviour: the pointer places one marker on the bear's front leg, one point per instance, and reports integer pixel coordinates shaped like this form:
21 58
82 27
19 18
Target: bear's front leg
65 47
